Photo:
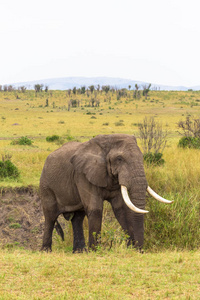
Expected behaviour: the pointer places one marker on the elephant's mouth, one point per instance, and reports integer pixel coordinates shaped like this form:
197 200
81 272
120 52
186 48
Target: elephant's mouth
133 207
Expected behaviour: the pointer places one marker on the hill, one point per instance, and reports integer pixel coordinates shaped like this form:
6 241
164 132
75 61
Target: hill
65 83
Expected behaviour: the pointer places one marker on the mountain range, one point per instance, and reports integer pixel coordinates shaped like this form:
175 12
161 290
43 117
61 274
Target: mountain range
66 83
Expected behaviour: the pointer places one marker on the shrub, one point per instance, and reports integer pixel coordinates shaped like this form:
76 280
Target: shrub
154 158
190 127
8 169
189 142
152 135
24 140
52 138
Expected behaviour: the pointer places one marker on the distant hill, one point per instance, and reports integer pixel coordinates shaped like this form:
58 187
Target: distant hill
66 83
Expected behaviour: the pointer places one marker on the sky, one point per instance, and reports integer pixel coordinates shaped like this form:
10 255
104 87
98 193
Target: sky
153 41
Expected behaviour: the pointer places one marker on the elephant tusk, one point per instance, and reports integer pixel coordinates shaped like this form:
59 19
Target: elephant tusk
129 203
157 197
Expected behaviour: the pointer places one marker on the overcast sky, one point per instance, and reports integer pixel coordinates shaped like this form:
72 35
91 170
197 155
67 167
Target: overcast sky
157 41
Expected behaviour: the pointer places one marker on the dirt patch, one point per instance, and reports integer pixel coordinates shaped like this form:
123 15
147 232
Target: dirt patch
21 219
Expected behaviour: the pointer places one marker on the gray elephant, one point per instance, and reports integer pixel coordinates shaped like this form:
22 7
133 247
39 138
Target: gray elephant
78 177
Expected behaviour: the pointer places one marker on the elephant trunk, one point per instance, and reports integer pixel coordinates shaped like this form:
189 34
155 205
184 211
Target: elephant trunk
129 202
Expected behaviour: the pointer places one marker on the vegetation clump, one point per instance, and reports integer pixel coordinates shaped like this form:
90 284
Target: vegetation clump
191 133
154 158
7 168
189 142
24 140
52 138
154 140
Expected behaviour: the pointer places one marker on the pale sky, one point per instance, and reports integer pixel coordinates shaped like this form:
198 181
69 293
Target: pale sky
157 41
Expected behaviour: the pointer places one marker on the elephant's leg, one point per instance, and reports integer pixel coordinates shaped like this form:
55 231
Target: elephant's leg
51 214
93 205
48 230
77 224
94 223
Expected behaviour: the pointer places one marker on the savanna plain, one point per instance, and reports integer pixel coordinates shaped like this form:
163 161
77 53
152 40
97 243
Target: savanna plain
169 268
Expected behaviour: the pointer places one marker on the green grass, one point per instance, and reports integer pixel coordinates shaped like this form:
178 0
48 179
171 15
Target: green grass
170 267
123 274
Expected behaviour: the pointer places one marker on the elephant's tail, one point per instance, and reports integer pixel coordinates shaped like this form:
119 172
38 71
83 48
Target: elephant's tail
59 230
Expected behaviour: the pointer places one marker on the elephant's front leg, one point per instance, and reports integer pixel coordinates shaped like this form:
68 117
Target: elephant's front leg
77 224
94 223
92 201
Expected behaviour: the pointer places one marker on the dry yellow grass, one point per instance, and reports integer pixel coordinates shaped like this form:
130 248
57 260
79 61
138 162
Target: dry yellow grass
28 116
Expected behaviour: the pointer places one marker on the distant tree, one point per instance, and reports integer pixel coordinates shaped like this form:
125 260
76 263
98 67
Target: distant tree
46 88
83 90
146 90
22 89
91 87
5 88
98 87
129 87
38 87
106 88
0 87
69 92
10 88
74 90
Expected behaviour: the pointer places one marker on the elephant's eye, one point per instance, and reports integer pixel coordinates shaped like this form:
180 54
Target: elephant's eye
119 158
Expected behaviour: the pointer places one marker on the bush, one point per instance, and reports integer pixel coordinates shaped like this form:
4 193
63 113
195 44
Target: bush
152 136
52 138
190 127
8 169
22 141
189 142
154 158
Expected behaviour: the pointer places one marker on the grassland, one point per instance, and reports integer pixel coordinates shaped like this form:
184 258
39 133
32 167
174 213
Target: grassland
171 266
26 114
108 275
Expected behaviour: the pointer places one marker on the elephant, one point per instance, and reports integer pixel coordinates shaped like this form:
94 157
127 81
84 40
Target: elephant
78 177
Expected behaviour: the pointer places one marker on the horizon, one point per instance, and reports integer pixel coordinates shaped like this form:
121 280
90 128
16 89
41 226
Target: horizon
66 83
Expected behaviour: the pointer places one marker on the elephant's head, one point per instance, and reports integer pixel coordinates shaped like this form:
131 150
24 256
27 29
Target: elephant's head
110 161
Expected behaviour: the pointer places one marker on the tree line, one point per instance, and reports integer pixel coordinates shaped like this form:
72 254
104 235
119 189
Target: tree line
83 90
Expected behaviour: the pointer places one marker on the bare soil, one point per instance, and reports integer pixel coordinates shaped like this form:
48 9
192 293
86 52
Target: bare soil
21 219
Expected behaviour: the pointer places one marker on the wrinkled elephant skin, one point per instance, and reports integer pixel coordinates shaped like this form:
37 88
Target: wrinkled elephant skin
78 177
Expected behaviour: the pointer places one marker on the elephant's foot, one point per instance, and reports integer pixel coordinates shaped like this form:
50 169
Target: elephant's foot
80 250
46 248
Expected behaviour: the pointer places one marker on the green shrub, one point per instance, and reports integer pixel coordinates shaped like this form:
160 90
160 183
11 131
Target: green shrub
189 142
25 141
22 141
52 138
154 158
8 169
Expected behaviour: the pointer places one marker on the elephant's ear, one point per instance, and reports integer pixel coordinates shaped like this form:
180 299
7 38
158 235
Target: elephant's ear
89 159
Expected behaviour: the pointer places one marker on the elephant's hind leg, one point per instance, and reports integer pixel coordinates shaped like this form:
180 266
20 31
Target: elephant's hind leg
47 237
51 214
